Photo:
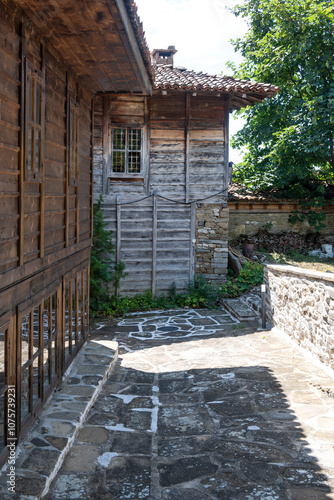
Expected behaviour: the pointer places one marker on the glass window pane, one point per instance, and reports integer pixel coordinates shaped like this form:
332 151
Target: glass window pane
118 163
119 138
134 162
135 139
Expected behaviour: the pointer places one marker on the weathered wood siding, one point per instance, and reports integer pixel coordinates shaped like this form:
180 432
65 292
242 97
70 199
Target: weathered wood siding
153 238
51 215
208 147
45 222
118 110
185 146
9 141
185 159
167 145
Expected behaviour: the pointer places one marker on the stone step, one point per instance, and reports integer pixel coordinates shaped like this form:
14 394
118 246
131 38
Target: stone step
239 310
43 451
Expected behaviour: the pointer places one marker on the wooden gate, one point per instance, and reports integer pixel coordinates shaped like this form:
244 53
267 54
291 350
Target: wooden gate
155 238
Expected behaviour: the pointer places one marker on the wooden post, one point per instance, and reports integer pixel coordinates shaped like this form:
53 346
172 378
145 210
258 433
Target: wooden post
118 233
92 173
106 147
226 144
154 241
67 177
192 240
186 147
146 144
42 153
22 144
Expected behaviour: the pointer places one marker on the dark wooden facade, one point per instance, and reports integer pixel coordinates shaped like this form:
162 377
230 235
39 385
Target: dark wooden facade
46 168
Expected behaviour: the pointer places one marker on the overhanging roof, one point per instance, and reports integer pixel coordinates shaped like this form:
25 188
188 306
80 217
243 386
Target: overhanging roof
241 93
102 40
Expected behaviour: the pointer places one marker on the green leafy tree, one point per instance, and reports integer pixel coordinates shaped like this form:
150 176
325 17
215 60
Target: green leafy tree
289 138
103 270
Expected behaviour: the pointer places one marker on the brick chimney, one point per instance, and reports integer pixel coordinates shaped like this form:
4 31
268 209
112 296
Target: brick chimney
164 56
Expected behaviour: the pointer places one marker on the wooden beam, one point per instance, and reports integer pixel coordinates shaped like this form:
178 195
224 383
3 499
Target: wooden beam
226 144
192 240
146 144
106 147
22 151
186 146
67 197
42 185
131 46
154 241
92 172
118 233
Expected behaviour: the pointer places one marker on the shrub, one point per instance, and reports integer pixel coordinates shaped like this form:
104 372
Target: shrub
103 269
250 275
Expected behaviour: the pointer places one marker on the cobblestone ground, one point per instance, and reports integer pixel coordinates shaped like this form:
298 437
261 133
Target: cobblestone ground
201 407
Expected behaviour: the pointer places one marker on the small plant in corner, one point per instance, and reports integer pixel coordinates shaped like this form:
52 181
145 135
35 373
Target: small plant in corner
103 269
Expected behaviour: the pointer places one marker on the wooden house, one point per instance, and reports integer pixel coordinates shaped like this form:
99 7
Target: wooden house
55 56
161 164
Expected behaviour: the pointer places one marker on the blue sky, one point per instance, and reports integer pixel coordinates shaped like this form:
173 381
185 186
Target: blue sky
200 30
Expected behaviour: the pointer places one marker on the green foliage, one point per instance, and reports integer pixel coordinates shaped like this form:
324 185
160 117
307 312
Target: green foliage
289 138
103 270
267 226
200 293
250 275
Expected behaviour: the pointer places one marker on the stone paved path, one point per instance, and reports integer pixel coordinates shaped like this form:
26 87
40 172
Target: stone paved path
201 407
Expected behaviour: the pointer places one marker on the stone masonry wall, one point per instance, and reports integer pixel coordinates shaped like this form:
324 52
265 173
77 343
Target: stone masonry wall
301 303
248 218
211 241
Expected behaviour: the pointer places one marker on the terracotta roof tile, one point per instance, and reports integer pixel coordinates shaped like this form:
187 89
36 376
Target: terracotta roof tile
166 77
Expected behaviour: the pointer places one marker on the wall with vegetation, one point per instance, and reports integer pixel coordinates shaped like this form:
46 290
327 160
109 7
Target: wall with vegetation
301 303
248 217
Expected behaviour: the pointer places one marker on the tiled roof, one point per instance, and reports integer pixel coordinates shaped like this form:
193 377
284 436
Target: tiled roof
139 32
166 77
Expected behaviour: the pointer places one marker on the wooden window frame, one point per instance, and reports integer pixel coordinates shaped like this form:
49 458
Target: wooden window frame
43 392
126 175
33 78
73 143
76 314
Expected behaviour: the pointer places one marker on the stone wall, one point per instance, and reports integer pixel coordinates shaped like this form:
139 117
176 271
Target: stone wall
301 303
248 217
211 241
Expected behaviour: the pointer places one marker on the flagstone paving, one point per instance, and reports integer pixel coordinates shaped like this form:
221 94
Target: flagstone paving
198 406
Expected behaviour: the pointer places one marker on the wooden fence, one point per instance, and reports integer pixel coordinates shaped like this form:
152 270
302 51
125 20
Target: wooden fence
155 238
